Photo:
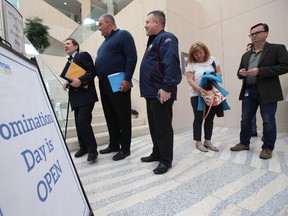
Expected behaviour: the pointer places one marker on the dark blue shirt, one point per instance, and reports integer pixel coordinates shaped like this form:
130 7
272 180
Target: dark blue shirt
116 54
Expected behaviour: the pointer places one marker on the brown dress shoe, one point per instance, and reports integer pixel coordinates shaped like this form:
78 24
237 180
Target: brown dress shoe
239 147
265 154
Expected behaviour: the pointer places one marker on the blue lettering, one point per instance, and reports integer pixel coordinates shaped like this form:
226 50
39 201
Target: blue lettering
8 131
22 126
31 158
50 179
28 154
42 196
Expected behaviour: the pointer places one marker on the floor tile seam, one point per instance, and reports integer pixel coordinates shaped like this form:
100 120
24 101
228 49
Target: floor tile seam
134 199
247 178
98 167
261 193
126 188
191 173
105 182
249 190
146 186
105 172
119 173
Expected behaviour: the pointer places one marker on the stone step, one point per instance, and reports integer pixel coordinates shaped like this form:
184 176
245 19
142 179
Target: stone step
100 127
103 138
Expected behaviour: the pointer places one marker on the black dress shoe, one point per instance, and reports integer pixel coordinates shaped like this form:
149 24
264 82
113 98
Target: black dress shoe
92 156
149 158
161 168
120 155
80 153
108 150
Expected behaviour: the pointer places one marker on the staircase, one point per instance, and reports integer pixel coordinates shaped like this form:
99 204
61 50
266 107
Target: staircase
139 128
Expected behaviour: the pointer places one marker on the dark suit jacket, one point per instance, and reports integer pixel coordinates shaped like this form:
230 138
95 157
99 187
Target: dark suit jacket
82 96
272 63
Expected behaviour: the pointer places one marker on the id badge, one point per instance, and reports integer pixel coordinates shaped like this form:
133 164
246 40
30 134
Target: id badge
246 94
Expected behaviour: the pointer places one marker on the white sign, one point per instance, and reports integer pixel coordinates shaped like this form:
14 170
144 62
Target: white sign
37 174
13 26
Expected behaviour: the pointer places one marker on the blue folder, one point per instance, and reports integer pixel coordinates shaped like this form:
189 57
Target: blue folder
116 80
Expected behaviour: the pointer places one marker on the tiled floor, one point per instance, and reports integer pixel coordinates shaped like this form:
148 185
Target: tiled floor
213 183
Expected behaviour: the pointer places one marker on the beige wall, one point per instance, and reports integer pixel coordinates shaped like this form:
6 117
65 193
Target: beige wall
223 25
60 26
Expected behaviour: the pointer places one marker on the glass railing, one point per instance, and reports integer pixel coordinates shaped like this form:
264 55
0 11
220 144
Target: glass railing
58 97
90 24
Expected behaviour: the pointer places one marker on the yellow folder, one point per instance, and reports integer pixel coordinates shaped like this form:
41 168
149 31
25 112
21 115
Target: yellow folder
74 71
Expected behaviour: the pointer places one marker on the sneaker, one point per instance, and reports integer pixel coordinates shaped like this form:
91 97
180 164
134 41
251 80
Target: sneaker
201 147
208 144
239 147
265 154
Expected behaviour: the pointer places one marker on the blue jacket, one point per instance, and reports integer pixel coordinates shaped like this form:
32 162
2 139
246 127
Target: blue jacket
160 67
215 78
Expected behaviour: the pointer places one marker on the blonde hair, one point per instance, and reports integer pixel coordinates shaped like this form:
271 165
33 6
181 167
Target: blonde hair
196 47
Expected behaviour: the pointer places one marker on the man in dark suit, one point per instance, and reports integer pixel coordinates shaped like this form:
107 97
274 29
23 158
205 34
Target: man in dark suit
259 70
82 97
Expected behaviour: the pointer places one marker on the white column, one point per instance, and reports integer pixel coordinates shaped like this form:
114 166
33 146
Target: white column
110 6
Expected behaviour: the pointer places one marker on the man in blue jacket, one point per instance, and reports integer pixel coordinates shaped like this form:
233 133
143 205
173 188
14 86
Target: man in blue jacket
160 74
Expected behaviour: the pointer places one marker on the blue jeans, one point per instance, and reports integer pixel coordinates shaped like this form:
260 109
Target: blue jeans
254 124
250 103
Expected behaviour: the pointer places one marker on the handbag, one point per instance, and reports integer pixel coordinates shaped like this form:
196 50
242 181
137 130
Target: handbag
212 97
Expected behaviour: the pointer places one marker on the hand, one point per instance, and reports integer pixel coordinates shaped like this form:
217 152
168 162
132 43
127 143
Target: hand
251 72
203 92
65 86
164 96
75 82
243 72
125 85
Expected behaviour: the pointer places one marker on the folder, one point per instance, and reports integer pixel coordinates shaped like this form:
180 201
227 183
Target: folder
72 70
116 80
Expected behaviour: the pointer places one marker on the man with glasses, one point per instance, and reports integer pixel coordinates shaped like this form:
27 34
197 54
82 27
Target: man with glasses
259 70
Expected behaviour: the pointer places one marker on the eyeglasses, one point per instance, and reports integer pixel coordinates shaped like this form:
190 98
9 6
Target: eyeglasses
255 33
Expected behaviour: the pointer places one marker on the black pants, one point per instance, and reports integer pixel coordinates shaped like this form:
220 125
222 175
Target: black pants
160 125
83 118
198 120
117 111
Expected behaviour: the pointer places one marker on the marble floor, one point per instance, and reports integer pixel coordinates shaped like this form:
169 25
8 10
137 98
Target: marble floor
212 183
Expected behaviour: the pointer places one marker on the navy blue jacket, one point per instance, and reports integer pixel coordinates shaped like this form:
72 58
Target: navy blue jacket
116 54
160 67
